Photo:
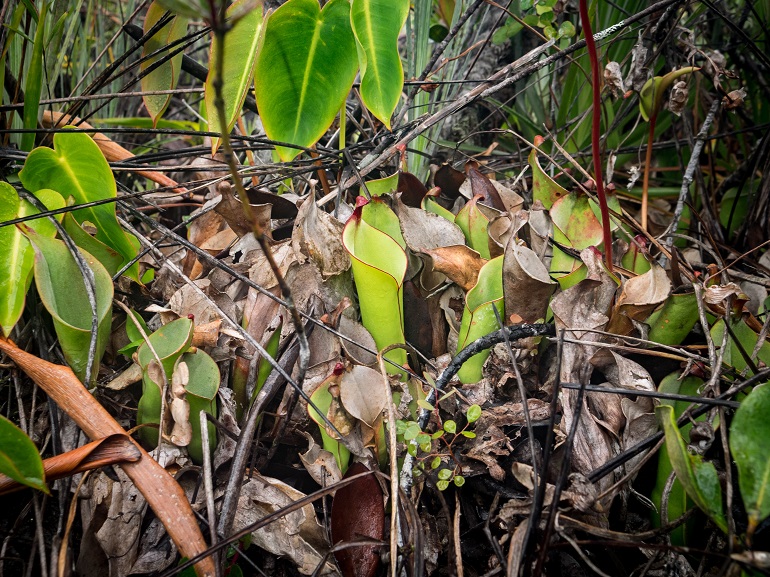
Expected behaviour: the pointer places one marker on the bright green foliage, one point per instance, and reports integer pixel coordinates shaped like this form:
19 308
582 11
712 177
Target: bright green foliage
169 342
63 291
76 168
699 478
201 394
240 58
16 253
575 226
166 75
479 317
111 259
544 188
305 69
376 25
750 447
373 238
19 458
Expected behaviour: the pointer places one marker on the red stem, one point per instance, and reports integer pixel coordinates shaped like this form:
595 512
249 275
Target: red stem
596 131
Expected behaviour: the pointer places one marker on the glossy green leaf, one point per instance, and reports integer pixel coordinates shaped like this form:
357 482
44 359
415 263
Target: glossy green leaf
34 82
750 447
474 224
16 253
699 478
479 317
373 238
63 292
76 168
239 60
651 96
169 342
19 458
305 68
377 25
166 75
322 399
544 188
202 396
670 324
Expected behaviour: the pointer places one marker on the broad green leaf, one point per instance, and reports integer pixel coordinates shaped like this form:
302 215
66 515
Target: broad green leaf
699 478
63 291
239 59
651 96
202 395
198 9
750 446
377 25
17 256
322 399
75 167
166 75
19 458
474 224
479 317
305 68
34 82
373 238
430 205
674 320
169 342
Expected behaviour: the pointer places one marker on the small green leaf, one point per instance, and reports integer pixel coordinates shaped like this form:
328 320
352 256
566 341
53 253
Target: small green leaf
76 168
473 413
450 426
750 447
458 480
442 485
436 462
63 291
423 404
469 434
241 43
305 68
19 458
566 29
479 317
422 439
445 474
377 25
426 447
699 478
438 434
166 75
412 430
